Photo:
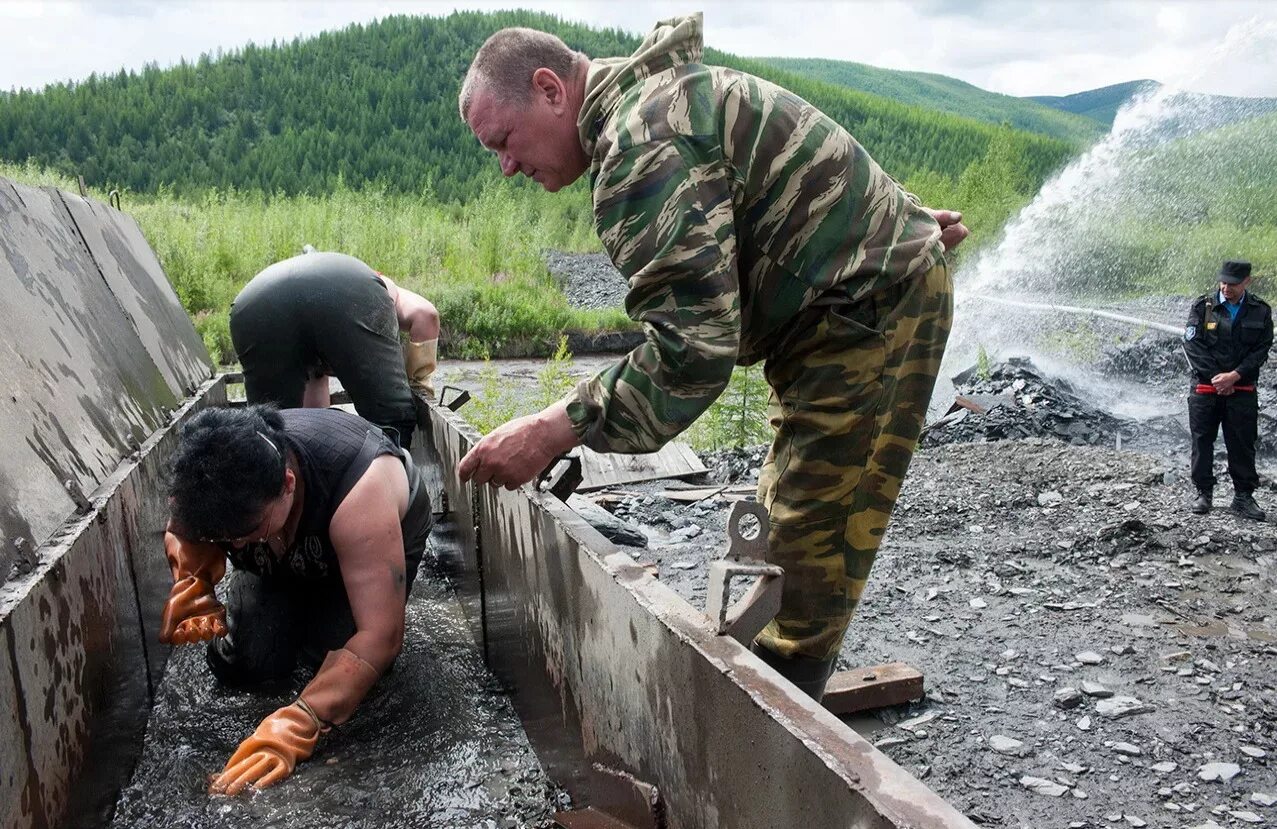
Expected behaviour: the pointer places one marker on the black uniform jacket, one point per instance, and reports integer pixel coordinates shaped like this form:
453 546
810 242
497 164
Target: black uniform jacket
1216 344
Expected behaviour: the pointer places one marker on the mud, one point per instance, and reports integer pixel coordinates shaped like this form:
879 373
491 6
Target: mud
436 744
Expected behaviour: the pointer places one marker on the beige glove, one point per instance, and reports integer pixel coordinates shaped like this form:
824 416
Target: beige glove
420 360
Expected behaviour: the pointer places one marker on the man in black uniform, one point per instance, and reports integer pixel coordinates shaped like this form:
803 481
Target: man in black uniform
321 314
1227 340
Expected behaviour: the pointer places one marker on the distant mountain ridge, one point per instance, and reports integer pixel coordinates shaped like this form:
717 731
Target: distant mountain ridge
923 89
1097 104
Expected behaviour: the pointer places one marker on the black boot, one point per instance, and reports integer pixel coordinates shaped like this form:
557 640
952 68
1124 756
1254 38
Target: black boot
1201 506
1245 506
807 674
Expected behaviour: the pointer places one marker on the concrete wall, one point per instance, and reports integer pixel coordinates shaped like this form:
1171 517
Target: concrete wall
96 353
609 666
100 363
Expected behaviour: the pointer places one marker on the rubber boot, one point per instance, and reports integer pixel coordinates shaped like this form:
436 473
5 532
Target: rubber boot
1245 506
808 675
1201 506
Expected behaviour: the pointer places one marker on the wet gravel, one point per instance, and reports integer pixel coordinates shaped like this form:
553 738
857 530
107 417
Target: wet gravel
1036 585
436 744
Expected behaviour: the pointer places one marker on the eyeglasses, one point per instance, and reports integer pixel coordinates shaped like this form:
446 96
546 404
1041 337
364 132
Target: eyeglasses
261 532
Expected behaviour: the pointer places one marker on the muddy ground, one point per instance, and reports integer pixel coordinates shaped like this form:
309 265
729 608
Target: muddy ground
435 745
1095 654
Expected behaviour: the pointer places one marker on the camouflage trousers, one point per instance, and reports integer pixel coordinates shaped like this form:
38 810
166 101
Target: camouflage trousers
850 389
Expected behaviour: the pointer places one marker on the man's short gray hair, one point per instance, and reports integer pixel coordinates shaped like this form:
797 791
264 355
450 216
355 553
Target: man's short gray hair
505 62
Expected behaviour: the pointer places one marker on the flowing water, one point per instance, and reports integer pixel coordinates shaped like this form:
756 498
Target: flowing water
436 744
1159 201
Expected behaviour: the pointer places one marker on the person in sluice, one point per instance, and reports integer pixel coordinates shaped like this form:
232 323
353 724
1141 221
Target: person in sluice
752 228
1227 339
325 522
322 314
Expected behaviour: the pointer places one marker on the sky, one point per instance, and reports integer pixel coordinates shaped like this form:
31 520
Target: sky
1016 47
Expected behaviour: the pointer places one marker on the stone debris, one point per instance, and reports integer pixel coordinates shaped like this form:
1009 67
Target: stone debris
1089 658
1084 724
1165 767
1218 772
1247 817
1007 745
1095 689
978 604
1128 749
1118 707
1253 751
1263 799
1043 786
1067 698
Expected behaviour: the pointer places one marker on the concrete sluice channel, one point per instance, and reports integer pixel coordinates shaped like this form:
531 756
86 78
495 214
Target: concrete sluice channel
603 689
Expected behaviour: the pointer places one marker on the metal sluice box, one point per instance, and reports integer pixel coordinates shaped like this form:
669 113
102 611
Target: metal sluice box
632 699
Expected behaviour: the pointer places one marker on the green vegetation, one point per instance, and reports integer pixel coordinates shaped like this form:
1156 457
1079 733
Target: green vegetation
738 417
945 94
480 265
1180 210
375 106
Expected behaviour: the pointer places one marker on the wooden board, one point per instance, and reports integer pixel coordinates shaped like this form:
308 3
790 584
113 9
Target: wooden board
675 460
875 686
688 496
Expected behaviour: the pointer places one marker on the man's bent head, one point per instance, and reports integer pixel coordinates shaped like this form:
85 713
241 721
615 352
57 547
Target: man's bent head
521 98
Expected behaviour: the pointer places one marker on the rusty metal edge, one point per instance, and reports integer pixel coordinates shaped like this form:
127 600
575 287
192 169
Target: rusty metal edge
72 803
896 796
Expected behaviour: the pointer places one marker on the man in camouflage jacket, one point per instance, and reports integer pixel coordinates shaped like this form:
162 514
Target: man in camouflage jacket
751 227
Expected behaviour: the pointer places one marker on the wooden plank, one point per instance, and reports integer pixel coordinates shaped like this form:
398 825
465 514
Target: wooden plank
688 496
876 686
675 460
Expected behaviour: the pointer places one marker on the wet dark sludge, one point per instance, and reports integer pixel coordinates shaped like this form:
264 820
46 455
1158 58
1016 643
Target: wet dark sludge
436 744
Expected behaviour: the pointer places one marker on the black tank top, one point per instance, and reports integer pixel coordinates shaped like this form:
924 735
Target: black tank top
334 449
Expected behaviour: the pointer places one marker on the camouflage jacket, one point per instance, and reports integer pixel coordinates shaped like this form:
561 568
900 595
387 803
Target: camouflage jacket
730 204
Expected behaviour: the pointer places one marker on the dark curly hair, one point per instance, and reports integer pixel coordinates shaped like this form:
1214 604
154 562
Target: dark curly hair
228 465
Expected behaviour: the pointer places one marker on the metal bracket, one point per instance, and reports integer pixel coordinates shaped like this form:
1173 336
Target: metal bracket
744 619
561 480
462 398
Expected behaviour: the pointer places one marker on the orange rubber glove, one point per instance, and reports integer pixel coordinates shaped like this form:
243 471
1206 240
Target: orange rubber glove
283 740
192 613
289 735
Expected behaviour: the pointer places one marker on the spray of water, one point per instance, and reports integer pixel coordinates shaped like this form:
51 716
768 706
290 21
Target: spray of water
1182 181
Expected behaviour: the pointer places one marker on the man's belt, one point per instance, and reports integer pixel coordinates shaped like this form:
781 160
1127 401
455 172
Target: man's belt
1207 388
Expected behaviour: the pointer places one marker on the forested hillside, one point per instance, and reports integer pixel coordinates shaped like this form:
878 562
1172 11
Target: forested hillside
376 104
940 92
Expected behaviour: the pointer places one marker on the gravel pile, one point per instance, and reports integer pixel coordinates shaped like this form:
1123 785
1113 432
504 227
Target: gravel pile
1095 655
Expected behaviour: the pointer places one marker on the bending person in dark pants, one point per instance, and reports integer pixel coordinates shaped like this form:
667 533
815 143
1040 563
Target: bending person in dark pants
321 314
1229 333
325 521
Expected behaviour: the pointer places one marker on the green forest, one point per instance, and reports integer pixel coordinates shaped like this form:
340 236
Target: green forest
376 105
940 92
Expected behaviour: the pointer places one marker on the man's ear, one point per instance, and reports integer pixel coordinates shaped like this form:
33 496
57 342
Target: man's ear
290 481
547 85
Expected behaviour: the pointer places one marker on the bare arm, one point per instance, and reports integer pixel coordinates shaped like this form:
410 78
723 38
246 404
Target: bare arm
416 314
366 535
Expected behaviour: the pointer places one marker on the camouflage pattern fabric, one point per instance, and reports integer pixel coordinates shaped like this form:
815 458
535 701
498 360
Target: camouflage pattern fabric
731 205
850 389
